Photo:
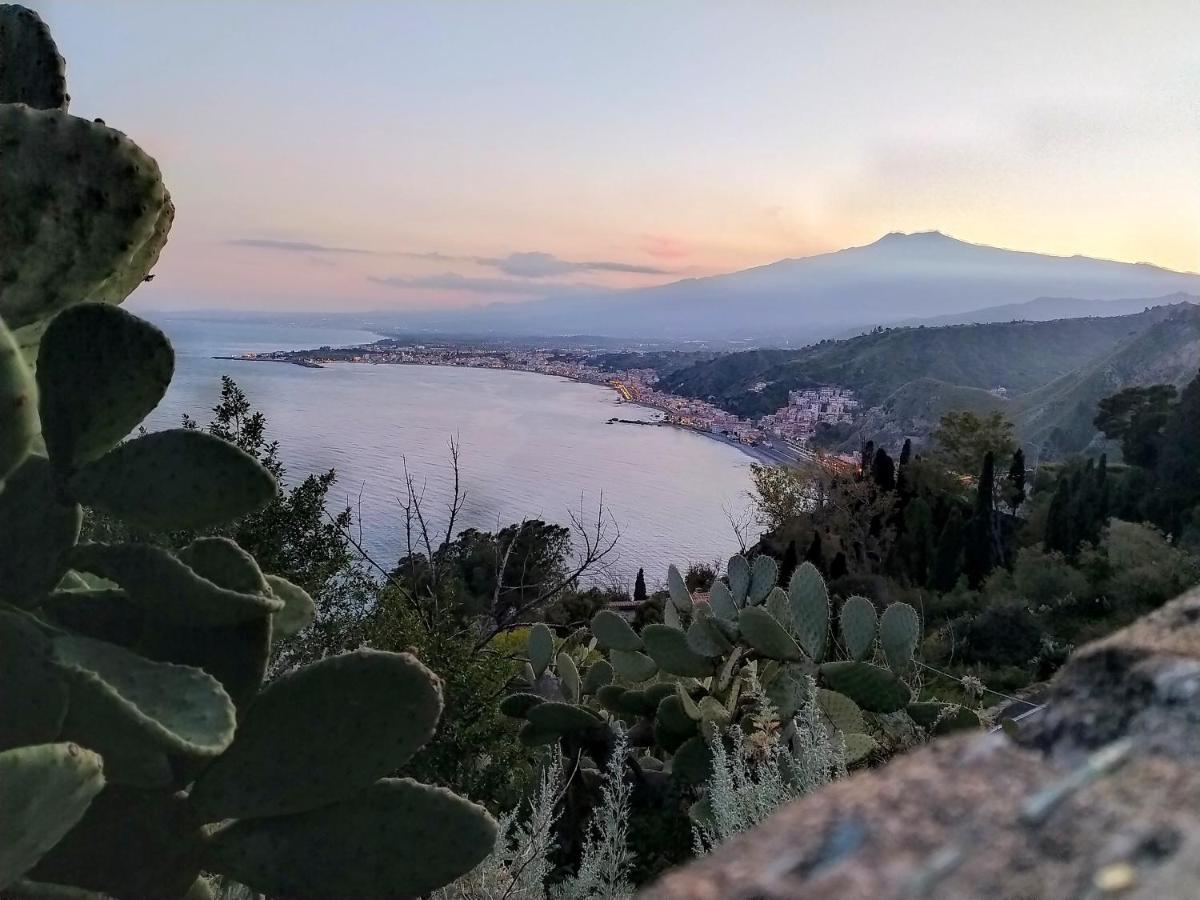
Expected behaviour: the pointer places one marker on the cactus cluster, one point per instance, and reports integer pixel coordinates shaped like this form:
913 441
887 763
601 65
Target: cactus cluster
673 683
139 746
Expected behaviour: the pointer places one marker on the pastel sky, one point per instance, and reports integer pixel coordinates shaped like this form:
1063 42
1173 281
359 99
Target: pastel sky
371 155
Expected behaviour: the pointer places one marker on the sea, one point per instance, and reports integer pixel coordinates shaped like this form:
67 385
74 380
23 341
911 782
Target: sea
530 446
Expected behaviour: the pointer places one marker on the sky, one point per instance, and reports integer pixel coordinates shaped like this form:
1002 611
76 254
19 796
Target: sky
344 155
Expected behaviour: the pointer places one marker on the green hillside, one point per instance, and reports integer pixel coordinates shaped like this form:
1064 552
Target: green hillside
1017 356
1054 373
1058 417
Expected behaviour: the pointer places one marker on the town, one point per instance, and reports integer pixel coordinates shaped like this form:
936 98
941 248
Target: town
785 434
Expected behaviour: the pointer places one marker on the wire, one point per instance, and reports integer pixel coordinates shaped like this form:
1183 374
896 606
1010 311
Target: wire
985 687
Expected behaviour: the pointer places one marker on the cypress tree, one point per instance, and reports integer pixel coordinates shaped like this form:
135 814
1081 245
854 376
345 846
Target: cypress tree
639 588
948 556
883 471
979 554
917 543
838 567
815 553
1102 482
1060 530
902 480
789 562
1014 483
868 456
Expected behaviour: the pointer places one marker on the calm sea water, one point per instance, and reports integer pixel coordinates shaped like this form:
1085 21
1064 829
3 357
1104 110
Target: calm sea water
531 446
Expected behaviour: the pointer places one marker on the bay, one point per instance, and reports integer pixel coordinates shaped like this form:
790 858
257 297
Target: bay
531 446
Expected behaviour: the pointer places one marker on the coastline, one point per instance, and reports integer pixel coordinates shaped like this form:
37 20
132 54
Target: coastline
763 455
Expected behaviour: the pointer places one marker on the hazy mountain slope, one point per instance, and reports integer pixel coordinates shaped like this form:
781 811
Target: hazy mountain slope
897 277
1046 309
1018 356
1058 417
914 409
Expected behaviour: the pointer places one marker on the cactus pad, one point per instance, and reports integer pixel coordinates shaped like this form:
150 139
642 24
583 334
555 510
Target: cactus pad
540 649
768 637
681 597
610 697
632 665
668 647
763 576
298 608
33 698
516 705
36 532
31 69
396 839
568 677
612 632
18 404
46 789
842 712
789 690
873 688
100 372
164 585
738 572
129 843
320 733
706 638
598 675
899 633
858 621
225 564
720 601
810 610
561 718
178 708
169 480
858 747
80 200
692 762
780 607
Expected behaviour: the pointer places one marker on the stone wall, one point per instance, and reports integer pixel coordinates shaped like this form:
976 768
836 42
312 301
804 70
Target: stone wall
1097 796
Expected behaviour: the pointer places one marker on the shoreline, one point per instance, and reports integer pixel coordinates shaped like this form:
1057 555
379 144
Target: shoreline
764 455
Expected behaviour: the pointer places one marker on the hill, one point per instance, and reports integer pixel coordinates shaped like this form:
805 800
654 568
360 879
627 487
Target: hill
1046 309
896 278
1053 373
1057 418
1016 356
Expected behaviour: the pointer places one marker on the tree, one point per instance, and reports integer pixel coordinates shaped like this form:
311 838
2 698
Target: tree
791 559
1177 467
1061 533
699 577
639 588
948 556
815 553
1014 483
915 547
1135 417
963 438
883 471
980 551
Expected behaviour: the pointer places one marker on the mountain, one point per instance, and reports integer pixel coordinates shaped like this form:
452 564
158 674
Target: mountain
1046 309
898 277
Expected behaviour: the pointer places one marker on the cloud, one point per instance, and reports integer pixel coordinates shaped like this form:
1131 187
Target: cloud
293 246
450 281
538 264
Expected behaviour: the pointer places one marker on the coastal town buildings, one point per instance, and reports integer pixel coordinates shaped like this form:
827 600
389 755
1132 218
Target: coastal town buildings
794 424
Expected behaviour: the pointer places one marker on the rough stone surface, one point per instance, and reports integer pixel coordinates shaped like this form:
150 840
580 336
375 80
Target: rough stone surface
1099 796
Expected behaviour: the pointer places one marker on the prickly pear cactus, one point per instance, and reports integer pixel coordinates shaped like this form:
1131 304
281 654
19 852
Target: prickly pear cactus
138 746
672 684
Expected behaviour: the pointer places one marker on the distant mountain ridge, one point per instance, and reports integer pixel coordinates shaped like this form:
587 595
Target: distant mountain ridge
1046 309
1052 373
896 278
